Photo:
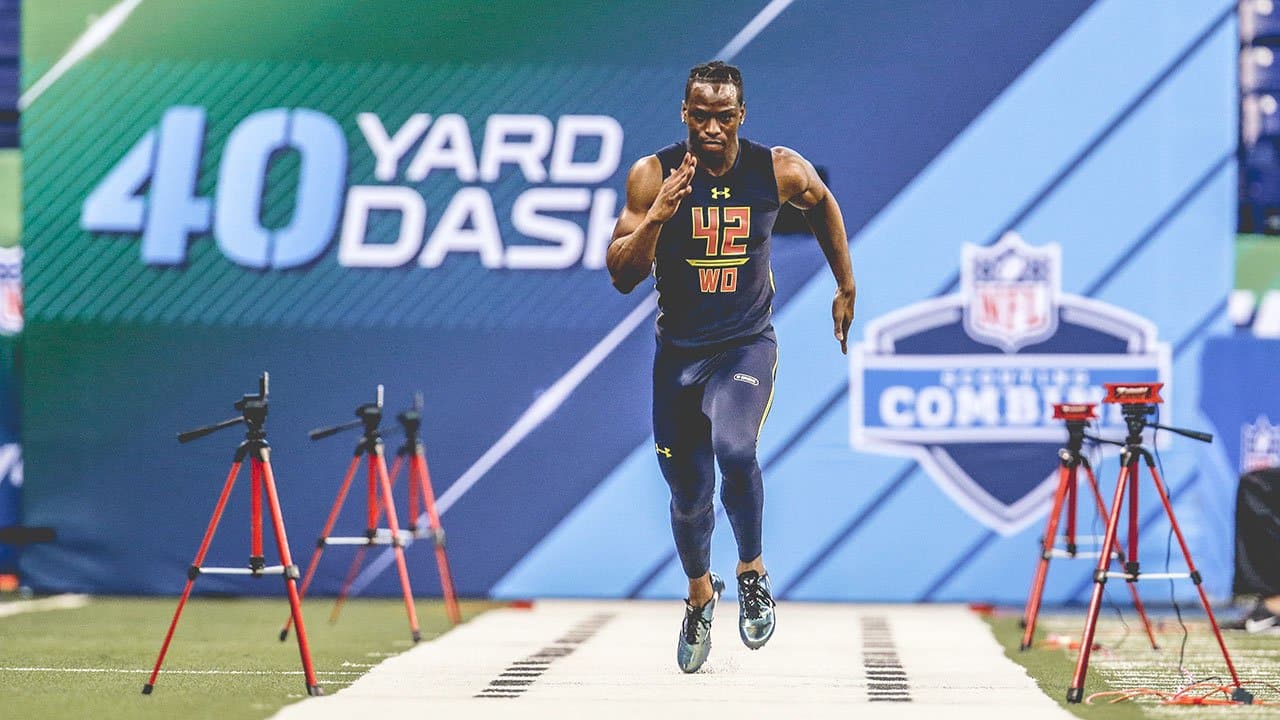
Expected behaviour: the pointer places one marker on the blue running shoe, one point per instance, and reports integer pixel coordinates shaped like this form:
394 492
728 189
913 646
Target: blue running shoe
695 634
755 609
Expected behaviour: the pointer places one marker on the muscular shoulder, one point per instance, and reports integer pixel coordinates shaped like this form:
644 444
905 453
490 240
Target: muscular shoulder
794 174
643 181
789 168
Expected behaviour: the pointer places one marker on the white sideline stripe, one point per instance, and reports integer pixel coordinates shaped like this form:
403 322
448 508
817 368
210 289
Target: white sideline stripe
98 33
813 668
164 672
554 397
753 28
57 602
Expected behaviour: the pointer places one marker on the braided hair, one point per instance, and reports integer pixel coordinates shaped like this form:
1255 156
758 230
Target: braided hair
715 72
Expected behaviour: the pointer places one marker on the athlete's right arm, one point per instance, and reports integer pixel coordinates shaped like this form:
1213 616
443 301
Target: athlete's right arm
651 201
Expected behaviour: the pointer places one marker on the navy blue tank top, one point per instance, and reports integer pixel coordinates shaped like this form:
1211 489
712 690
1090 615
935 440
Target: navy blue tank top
712 261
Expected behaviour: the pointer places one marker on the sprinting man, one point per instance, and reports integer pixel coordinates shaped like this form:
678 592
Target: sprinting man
699 215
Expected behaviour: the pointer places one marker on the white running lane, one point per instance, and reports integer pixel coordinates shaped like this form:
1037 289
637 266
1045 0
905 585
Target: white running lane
56 602
617 660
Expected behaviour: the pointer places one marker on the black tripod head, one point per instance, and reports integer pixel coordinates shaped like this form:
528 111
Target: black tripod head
1137 402
411 419
410 424
1077 416
368 415
253 412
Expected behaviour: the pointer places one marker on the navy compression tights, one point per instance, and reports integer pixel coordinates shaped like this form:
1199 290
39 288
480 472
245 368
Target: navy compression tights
708 410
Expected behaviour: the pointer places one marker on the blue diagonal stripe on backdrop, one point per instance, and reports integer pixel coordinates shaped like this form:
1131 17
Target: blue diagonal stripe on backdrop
1200 327
1045 192
888 491
966 557
1088 150
1181 202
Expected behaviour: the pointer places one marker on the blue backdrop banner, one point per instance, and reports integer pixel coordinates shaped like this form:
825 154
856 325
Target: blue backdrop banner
1039 197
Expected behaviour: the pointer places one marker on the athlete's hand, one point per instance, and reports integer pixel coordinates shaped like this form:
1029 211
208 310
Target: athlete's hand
675 188
842 315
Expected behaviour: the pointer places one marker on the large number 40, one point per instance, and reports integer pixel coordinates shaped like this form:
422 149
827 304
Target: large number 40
152 190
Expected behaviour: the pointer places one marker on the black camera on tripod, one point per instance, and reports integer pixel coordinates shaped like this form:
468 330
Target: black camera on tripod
253 412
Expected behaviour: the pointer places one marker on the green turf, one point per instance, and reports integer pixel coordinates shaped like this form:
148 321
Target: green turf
124 635
1125 661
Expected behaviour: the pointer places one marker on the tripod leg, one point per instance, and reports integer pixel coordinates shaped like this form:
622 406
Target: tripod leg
1046 551
1075 693
357 561
347 582
324 535
412 512
290 572
1131 560
1191 568
257 559
1119 553
194 571
373 511
376 459
437 532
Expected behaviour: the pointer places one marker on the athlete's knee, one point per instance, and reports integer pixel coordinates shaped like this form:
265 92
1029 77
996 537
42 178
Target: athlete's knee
686 510
737 457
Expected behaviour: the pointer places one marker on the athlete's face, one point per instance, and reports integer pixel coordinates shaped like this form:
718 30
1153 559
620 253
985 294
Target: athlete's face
713 112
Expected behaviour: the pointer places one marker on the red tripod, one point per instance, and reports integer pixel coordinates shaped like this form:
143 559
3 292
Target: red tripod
1137 401
379 499
1070 459
254 413
421 497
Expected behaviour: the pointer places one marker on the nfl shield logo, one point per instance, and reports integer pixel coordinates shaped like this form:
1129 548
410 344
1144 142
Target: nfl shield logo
1009 291
965 383
1259 445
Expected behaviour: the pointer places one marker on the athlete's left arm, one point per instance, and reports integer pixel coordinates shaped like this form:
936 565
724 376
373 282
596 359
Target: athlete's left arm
799 184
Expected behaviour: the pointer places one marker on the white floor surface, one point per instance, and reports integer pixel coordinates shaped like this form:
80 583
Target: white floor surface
616 660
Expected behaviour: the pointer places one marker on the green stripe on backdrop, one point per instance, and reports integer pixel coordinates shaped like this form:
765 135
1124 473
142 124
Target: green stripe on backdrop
1257 263
10 197
570 31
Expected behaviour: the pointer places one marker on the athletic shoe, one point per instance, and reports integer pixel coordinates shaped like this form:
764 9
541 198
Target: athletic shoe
755 609
695 634
1262 621
1259 620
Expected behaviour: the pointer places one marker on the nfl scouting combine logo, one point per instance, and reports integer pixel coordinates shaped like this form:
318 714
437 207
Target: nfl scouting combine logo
965 384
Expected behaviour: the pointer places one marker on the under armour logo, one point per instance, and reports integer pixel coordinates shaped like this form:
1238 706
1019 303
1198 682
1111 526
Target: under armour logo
720 193
663 451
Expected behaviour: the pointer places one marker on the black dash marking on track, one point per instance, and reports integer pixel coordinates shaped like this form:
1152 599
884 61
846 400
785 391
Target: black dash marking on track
886 679
520 674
